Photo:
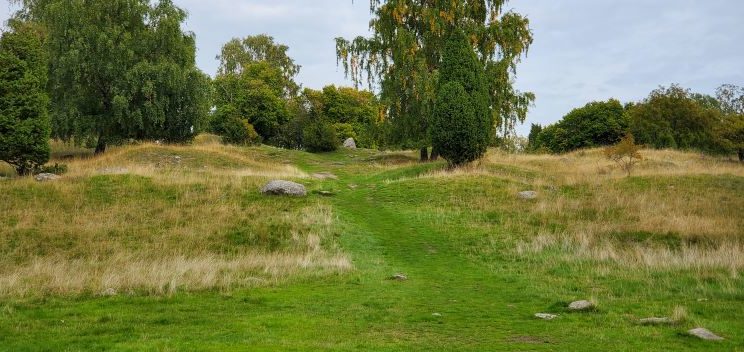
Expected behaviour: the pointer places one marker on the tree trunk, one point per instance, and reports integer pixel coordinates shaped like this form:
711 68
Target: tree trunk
424 154
101 146
434 155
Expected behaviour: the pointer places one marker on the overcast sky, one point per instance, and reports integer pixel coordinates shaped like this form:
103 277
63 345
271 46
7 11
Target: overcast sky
584 50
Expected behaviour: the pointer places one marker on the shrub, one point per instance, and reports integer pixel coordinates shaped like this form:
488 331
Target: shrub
57 169
595 124
234 129
461 123
24 120
345 131
320 136
626 153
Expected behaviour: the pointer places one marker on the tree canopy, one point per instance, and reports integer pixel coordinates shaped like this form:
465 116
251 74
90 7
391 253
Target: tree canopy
120 69
404 55
237 55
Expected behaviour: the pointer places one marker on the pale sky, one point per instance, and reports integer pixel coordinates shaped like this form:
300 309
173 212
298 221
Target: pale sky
584 50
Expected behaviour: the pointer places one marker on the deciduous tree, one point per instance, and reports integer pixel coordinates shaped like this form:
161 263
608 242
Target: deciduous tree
404 55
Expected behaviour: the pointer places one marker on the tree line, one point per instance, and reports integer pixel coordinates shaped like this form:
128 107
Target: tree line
97 73
670 117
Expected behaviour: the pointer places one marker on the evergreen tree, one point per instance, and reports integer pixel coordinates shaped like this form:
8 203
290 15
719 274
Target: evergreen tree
462 124
24 119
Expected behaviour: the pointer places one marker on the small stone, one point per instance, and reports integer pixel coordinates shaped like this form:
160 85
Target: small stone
109 292
705 334
528 195
655 321
326 193
353 186
399 277
350 143
46 177
438 315
280 188
581 305
545 316
325 176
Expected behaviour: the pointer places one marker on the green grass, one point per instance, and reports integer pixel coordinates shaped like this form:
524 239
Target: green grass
454 237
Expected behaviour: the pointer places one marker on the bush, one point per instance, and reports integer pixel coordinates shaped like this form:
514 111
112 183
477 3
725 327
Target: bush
595 124
461 123
57 169
626 153
345 131
234 129
320 136
24 120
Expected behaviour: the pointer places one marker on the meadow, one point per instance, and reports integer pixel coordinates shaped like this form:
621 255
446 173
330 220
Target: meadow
153 247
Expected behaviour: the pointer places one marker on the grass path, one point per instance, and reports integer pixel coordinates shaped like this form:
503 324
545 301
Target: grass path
479 307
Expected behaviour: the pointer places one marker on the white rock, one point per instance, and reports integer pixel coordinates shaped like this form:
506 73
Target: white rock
399 277
528 195
280 188
350 143
580 305
545 316
705 334
437 315
45 177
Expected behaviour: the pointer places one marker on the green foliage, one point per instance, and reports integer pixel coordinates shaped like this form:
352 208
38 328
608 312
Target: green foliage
233 128
238 55
675 118
731 129
57 169
256 94
626 153
121 69
345 131
596 124
461 127
319 136
24 120
405 52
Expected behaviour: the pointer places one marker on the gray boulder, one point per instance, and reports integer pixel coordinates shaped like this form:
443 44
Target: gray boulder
46 177
528 195
704 334
284 188
350 143
581 305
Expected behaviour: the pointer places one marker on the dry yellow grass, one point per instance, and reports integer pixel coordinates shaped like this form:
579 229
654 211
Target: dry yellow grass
677 212
157 219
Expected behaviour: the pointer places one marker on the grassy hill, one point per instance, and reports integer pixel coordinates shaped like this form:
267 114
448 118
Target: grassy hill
173 248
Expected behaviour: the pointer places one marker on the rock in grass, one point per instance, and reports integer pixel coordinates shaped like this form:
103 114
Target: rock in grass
399 277
284 188
325 176
656 321
350 143
528 195
545 316
581 306
704 334
46 177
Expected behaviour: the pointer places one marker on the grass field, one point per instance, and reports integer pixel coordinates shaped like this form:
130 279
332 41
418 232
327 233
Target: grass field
172 248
